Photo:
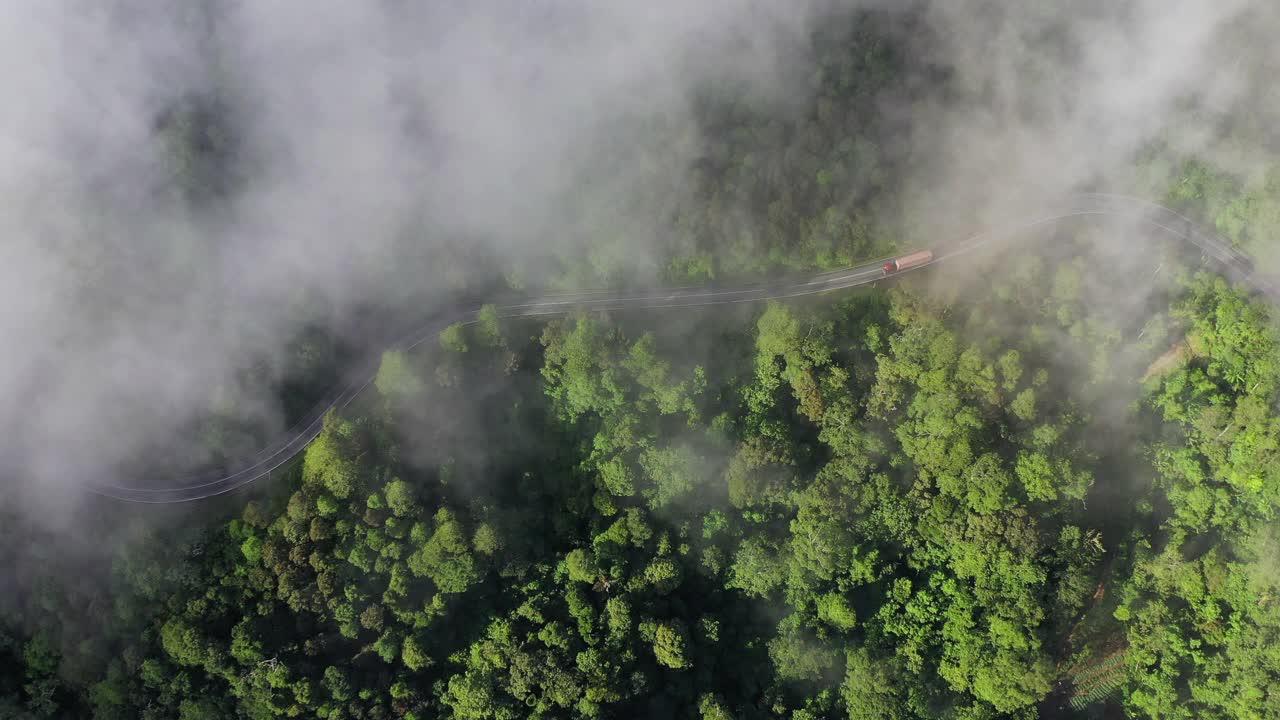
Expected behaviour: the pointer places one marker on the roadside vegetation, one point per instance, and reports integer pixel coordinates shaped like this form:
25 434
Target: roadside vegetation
1002 498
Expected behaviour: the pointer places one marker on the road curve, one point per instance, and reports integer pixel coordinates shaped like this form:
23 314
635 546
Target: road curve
293 441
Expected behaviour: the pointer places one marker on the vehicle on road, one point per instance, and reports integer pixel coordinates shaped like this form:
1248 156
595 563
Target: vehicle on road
920 257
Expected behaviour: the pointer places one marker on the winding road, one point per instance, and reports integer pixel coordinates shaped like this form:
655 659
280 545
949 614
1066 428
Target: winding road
270 458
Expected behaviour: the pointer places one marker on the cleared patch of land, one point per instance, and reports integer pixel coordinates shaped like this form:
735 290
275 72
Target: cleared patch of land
1182 351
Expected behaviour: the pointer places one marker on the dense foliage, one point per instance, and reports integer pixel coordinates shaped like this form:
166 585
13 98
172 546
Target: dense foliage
918 501
873 507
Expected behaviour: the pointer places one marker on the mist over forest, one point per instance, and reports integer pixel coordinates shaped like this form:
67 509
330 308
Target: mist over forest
1037 479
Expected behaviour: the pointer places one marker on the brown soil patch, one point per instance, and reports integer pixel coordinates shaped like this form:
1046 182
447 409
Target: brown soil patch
1174 358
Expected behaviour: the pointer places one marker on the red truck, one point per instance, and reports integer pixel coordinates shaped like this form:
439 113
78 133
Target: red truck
920 257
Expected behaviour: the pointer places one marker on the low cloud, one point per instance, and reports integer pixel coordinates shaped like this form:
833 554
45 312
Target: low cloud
379 153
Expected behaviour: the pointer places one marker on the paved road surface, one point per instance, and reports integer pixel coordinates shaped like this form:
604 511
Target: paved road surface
293 441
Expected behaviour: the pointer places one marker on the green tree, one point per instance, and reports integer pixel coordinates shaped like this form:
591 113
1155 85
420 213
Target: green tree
396 377
670 645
